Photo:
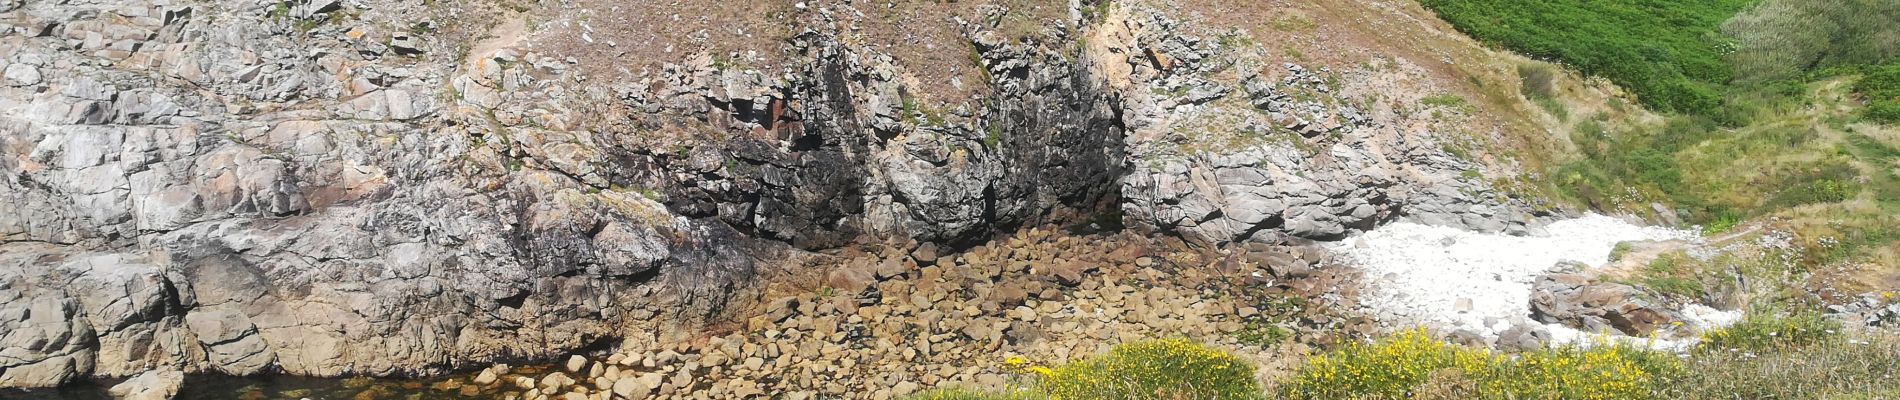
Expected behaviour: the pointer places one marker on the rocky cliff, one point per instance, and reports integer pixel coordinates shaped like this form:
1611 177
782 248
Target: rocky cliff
326 187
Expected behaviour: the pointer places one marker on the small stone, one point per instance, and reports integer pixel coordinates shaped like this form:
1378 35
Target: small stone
925 254
487 377
631 389
576 363
890 268
555 380
405 44
904 388
652 380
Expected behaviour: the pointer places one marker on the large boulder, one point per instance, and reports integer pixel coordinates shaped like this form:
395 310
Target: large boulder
1585 302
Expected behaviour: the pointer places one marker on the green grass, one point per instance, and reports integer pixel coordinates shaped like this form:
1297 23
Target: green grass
1671 274
1789 39
1715 176
1262 333
1760 332
1830 366
1451 101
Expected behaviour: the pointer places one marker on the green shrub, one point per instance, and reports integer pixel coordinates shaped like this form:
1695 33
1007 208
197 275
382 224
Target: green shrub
1539 81
1880 84
1667 52
1881 88
1263 333
1885 112
1153 369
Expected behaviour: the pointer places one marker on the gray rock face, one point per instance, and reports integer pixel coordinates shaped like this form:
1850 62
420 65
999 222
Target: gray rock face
1299 155
193 193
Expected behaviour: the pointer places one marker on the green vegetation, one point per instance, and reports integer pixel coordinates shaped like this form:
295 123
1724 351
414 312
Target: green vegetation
1760 333
1413 364
1540 86
1152 369
968 394
1800 355
1263 333
1670 53
1881 89
1794 355
1788 39
1451 101
1166 369
1668 274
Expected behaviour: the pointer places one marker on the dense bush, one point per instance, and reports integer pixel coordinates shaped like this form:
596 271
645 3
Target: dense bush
1668 52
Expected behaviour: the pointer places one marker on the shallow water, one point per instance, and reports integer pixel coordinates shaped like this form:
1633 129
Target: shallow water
274 387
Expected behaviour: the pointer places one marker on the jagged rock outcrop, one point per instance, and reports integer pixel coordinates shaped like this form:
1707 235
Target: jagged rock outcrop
325 188
1282 153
